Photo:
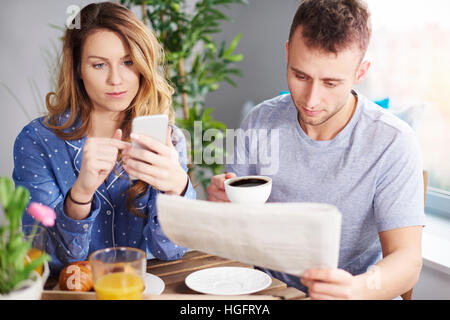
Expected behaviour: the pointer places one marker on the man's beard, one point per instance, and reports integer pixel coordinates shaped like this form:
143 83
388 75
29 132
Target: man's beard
316 121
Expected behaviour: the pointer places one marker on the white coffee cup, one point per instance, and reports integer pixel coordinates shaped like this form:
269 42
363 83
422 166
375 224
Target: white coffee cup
248 189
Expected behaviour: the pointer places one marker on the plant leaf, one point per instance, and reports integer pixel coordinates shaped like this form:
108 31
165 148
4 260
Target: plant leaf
6 191
232 46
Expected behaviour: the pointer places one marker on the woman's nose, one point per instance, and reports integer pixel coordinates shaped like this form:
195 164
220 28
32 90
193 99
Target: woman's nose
114 77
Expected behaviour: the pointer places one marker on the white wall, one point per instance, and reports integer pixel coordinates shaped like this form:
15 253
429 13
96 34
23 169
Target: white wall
25 35
264 25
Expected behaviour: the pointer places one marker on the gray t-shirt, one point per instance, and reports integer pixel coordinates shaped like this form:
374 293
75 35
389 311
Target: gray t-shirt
371 171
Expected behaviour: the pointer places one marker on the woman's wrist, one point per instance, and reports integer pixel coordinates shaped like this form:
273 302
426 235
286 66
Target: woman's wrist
185 187
182 187
77 204
69 195
79 195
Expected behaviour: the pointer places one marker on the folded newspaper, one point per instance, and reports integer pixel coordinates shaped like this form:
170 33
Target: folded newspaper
286 237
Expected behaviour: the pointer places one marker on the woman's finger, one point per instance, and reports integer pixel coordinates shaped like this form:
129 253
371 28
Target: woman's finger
117 135
169 137
144 168
96 166
119 144
152 144
106 153
142 176
146 156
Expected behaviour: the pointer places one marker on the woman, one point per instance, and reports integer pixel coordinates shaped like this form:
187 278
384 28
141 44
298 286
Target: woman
78 159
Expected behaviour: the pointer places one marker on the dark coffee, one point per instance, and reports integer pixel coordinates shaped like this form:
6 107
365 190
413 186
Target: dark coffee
245 183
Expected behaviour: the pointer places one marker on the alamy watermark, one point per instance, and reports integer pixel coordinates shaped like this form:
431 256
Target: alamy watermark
251 147
373 280
73 21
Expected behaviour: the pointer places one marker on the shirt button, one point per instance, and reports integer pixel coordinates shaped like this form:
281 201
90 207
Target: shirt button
85 227
108 212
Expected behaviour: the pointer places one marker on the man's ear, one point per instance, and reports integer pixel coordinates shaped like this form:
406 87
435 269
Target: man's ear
287 50
362 71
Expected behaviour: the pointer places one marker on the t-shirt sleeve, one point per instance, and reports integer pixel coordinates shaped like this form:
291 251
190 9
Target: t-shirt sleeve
399 198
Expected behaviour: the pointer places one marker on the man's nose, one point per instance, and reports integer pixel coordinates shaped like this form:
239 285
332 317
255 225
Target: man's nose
312 98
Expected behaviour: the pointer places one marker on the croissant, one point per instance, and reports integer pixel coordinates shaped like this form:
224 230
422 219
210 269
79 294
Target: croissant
76 276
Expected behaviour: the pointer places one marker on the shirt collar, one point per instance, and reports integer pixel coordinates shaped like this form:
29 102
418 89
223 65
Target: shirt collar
78 143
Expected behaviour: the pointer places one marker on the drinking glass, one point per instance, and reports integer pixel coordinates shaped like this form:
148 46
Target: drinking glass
118 273
38 242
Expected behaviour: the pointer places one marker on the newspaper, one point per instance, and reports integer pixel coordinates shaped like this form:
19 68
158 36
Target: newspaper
286 237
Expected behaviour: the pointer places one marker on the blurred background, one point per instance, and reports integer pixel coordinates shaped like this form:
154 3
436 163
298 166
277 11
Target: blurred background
410 54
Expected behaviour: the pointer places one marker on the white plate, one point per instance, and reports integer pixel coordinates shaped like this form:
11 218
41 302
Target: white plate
153 284
228 281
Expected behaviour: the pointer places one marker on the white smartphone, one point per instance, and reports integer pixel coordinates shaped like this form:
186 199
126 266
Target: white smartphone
154 126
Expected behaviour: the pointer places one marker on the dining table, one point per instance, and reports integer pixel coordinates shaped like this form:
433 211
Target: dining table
173 274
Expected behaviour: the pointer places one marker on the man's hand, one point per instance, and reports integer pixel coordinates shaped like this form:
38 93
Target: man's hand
216 190
328 284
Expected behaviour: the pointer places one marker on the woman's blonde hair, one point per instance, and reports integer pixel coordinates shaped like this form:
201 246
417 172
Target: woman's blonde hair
154 95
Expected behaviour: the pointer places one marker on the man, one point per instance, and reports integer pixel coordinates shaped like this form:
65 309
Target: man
337 147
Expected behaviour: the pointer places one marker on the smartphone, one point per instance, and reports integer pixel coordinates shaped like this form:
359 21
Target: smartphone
154 126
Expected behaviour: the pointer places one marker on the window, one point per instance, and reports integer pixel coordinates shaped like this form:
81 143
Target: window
410 54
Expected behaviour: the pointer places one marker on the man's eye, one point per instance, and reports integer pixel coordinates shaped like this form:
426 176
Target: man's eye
330 84
300 77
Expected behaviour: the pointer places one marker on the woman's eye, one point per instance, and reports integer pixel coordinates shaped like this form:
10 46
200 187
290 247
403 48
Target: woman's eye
128 63
98 66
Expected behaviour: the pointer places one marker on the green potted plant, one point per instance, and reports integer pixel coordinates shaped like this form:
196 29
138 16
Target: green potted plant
195 65
23 269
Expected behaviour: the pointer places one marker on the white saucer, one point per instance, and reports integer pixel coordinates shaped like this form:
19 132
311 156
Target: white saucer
153 284
228 281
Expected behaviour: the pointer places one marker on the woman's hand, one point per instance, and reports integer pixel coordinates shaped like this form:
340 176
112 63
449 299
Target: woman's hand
99 158
157 164
328 284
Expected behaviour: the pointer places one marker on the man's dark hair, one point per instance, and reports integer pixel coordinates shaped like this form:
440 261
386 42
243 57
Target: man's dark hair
333 25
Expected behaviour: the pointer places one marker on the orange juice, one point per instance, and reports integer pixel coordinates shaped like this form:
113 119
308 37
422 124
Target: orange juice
119 286
31 255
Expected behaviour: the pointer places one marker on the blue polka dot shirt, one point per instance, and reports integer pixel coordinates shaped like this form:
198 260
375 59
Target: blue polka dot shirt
48 167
